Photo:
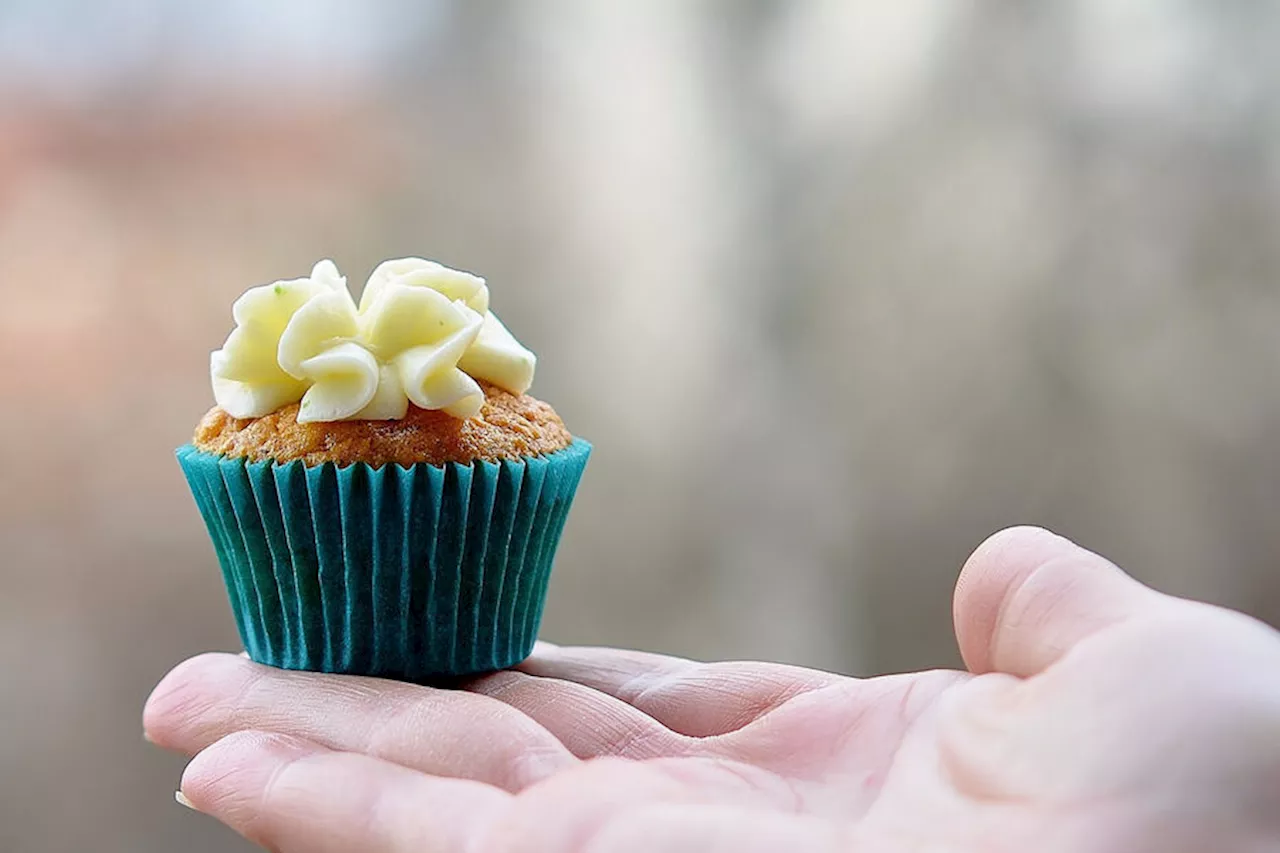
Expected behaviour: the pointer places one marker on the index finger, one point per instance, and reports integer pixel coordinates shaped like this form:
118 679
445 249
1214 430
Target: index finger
690 698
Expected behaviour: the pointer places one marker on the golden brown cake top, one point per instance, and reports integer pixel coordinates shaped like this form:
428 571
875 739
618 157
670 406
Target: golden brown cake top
508 426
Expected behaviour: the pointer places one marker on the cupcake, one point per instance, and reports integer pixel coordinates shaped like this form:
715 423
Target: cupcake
383 496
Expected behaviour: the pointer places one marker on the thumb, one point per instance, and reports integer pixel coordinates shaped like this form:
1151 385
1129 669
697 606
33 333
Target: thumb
1026 597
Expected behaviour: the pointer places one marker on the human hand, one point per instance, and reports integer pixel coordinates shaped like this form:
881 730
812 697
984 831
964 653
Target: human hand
1097 716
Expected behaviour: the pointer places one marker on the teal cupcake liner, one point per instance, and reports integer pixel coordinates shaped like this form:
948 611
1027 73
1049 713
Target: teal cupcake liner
409 573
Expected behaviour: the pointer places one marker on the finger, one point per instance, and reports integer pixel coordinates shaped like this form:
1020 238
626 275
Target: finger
442 732
589 723
694 699
294 796
1026 597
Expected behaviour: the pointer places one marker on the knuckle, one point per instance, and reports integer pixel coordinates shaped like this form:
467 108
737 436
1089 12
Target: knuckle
489 742
520 765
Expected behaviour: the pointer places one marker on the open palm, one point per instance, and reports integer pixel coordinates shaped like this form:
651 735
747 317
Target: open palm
1098 716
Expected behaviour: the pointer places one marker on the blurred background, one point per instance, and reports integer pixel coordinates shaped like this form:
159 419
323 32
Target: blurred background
836 288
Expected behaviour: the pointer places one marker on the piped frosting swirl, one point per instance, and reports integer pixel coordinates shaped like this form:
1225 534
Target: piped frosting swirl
422 334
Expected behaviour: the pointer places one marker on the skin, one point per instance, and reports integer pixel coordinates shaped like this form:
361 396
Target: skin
1096 715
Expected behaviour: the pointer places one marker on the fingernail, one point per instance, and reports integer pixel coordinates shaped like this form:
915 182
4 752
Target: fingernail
182 800
244 655
147 737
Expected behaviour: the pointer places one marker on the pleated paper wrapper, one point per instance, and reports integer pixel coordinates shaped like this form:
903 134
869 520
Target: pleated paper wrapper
417 574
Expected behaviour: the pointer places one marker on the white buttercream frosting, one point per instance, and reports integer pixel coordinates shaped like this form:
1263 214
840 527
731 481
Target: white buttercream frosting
422 334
